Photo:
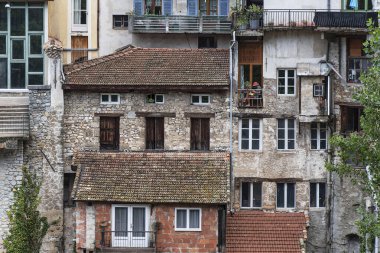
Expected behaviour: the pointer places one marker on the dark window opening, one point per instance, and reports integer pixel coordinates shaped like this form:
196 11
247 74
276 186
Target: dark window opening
154 133
350 119
317 194
68 183
285 195
251 194
120 21
359 5
357 62
207 42
109 133
200 134
153 7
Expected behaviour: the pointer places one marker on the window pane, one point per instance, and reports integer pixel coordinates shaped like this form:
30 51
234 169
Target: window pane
205 99
290 144
36 79
322 134
314 144
256 194
314 134
3 17
281 133
245 194
35 44
121 219
290 195
194 219
3 73
159 98
322 194
281 123
114 98
255 134
195 99
281 90
245 144
291 134
281 73
281 144
17 49
17 75
245 133
3 44
290 123
290 73
255 123
181 218
245 123
138 221
281 82
280 195
18 22
36 64
313 194
255 144
104 98
36 19
323 144
290 90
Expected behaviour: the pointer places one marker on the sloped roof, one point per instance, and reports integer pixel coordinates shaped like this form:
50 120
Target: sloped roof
147 67
258 231
140 177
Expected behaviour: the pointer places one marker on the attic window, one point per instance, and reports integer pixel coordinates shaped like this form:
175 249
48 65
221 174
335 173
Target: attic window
109 98
155 98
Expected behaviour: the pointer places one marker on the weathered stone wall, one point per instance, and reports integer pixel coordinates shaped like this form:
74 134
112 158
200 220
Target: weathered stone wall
81 126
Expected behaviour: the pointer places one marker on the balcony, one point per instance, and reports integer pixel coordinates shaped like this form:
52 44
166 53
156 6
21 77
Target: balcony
250 98
127 241
14 121
180 24
314 19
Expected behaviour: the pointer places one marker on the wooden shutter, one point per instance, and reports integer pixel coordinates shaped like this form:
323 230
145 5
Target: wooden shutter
167 7
355 47
149 133
109 133
343 118
138 7
159 133
192 7
223 7
251 53
200 134
205 134
79 42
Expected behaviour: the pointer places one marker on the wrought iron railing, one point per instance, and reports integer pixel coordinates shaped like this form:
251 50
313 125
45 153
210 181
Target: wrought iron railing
250 98
14 122
180 24
356 66
293 19
127 239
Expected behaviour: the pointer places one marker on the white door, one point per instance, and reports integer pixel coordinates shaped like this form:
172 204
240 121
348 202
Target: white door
130 225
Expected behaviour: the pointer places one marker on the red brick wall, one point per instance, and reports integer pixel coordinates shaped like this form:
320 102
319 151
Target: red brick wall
169 240
80 224
102 217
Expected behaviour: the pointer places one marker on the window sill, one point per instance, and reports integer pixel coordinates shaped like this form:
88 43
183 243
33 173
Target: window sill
317 209
187 230
284 209
39 87
120 28
251 151
14 90
251 208
290 151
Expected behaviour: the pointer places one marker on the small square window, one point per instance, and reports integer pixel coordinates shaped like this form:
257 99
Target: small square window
200 99
120 21
318 90
155 99
110 99
188 219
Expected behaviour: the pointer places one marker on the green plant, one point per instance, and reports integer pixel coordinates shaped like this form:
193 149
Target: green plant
26 226
240 14
254 11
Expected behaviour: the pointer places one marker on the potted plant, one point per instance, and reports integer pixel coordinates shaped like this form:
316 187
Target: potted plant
255 14
240 16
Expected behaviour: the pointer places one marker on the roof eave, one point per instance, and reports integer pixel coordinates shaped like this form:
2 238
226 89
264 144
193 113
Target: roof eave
131 88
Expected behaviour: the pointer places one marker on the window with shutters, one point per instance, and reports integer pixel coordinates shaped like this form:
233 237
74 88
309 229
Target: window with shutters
109 133
154 129
158 7
207 7
350 119
200 134
317 194
79 15
21 43
250 194
357 62
79 45
286 195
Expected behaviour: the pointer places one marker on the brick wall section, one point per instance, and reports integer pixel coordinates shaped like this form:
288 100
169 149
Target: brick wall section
80 225
169 240
102 217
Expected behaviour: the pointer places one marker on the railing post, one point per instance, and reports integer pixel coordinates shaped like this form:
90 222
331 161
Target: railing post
166 23
200 23
102 240
289 18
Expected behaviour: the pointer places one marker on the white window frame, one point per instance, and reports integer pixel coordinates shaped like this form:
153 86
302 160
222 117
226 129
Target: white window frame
286 137
319 136
317 195
250 135
286 78
109 99
79 27
188 219
200 99
286 196
322 90
155 98
251 195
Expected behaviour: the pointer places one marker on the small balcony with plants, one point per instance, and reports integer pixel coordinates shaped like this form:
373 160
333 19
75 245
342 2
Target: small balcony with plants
250 96
247 18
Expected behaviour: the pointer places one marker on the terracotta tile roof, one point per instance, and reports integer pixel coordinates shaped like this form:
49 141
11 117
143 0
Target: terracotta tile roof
152 67
140 177
258 231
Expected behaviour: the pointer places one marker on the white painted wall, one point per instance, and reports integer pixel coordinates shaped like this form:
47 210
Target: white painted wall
286 49
305 4
90 227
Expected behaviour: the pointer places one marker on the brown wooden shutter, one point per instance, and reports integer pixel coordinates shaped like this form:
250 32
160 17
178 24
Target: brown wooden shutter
200 134
355 47
159 133
109 133
205 134
79 42
343 118
150 132
194 133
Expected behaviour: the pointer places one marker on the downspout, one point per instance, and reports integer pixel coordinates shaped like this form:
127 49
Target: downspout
231 123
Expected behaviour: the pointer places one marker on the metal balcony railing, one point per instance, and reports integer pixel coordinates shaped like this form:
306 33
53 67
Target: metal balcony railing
180 24
293 19
14 122
127 239
250 98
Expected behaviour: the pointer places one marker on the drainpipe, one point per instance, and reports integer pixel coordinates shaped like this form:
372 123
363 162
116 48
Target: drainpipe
231 123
